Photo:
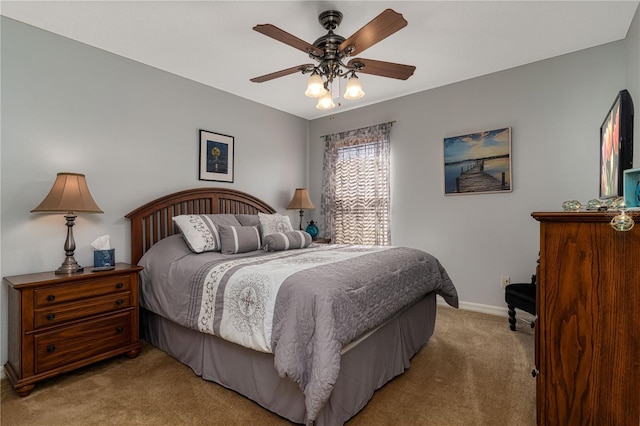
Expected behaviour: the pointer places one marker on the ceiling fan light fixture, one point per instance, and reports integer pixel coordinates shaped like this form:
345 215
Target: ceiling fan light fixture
326 102
315 86
354 88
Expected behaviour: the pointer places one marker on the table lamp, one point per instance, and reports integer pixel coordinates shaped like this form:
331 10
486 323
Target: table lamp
69 195
301 201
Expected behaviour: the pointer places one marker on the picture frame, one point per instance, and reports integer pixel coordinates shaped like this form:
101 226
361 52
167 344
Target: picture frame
216 156
632 188
478 162
616 145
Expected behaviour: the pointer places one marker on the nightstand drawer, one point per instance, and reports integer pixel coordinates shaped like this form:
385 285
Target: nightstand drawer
81 290
61 313
70 344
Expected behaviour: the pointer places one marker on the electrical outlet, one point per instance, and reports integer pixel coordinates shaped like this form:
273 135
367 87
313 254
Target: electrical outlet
504 281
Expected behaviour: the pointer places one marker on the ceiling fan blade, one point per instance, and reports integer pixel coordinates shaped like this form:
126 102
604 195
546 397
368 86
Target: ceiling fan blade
286 38
281 73
380 27
383 69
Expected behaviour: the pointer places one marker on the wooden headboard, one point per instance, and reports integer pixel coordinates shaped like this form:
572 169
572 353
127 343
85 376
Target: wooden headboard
154 221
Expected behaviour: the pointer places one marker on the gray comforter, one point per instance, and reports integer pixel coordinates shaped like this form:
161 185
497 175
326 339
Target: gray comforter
317 310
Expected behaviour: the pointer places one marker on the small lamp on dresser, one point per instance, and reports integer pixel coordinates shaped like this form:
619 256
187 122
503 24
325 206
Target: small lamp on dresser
302 202
70 195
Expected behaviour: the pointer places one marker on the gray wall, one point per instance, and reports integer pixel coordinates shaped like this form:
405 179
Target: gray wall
132 129
554 107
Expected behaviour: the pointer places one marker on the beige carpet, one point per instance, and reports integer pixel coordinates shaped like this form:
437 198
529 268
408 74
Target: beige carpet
474 371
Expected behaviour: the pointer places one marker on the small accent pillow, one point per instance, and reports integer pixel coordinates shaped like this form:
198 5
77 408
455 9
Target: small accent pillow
239 239
272 223
199 232
248 220
286 241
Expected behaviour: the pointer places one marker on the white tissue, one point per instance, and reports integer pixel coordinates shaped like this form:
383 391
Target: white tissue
101 243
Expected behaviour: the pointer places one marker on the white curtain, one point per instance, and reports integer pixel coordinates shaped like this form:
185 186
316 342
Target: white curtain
356 196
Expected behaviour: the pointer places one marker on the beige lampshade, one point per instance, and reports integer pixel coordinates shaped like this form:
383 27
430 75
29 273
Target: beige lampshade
301 200
68 194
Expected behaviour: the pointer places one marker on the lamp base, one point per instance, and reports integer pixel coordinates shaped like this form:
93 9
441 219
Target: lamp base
69 266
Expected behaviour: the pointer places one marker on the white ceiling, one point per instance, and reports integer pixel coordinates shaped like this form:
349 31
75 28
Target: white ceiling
212 42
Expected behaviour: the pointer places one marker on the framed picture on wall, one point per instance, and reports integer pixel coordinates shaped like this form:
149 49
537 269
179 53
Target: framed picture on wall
478 162
216 156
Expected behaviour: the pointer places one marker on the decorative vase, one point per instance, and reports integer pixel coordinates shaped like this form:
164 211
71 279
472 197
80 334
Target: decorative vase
312 230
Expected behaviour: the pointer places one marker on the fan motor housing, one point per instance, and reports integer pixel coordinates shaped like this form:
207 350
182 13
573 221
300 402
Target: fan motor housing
329 42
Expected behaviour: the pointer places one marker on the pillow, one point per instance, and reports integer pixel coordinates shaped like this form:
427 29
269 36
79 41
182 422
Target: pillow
239 239
272 223
286 241
248 220
199 232
224 219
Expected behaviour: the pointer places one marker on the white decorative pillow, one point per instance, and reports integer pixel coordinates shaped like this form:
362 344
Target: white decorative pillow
199 232
286 241
239 239
272 223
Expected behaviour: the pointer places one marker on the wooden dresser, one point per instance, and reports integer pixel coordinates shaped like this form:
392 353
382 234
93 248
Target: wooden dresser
588 325
58 323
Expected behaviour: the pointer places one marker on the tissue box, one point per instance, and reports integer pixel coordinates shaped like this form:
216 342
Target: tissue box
104 258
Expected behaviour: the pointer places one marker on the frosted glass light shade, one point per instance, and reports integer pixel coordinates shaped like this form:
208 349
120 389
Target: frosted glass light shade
354 89
315 87
326 102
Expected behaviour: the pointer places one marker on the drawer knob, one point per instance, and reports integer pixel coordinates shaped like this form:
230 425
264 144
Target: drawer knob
51 349
119 302
51 317
119 329
119 285
51 298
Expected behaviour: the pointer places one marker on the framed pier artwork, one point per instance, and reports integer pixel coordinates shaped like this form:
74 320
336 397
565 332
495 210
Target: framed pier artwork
478 162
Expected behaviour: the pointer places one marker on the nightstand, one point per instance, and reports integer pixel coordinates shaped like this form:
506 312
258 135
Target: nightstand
58 323
322 241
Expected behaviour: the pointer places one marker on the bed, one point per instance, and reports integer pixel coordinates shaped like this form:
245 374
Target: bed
305 338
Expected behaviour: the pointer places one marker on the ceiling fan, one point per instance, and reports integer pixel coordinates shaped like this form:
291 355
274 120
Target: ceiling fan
331 50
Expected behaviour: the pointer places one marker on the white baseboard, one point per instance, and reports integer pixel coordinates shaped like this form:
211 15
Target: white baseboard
501 311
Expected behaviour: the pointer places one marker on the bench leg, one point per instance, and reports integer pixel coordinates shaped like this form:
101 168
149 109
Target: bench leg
512 317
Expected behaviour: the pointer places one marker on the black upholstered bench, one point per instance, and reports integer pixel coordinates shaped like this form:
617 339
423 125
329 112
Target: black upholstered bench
523 297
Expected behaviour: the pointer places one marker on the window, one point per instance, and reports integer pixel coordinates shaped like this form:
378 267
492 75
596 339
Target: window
356 201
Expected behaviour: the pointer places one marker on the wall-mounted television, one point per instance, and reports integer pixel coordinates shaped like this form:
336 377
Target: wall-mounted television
616 145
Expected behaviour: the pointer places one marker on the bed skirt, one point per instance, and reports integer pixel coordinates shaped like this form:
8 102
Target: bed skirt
365 366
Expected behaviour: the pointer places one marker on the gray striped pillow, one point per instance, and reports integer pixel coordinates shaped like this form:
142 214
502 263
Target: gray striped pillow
200 231
286 241
239 239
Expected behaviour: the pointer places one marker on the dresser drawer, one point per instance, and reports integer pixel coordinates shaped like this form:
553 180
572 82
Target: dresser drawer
74 343
81 289
61 313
